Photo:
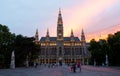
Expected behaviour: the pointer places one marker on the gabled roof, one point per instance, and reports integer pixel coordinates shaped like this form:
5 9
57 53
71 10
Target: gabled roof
43 39
53 39
69 39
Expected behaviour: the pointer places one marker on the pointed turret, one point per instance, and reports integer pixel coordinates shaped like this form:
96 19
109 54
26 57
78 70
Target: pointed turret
72 35
83 43
47 35
60 22
83 36
36 35
59 26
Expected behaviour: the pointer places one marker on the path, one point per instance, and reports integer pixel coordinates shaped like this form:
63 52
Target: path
60 71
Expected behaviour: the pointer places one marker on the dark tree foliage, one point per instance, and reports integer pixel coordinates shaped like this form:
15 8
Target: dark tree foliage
114 46
6 46
24 47
97 52
111 47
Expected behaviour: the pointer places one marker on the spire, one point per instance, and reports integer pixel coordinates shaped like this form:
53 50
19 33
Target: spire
36 31
82 36
59 26
60 22
47 34
82 32
72 35
36 35
59 11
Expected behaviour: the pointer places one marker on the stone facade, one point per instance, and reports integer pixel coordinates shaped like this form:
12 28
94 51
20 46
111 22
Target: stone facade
61 49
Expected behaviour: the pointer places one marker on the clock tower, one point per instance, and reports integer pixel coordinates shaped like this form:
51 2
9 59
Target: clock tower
60 39
59 27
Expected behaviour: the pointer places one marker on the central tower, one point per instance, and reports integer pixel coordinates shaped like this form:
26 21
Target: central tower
61 49
59 27
60 39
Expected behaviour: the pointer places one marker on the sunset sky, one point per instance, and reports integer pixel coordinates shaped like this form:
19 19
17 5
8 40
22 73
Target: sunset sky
97 17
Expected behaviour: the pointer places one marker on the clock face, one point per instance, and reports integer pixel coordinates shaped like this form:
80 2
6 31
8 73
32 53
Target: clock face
60 22
60 34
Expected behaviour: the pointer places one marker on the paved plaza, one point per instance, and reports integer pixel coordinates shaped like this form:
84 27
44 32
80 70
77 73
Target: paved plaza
61 71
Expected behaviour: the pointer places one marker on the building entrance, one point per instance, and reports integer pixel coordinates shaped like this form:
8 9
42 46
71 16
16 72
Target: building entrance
60 61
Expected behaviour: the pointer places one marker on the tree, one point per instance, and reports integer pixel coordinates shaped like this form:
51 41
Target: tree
111 47
6 45
24 46
98 51
94 47
114 46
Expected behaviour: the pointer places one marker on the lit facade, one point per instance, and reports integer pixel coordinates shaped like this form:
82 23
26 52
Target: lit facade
61 49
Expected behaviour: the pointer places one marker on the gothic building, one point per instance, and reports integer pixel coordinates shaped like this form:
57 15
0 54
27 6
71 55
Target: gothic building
61 49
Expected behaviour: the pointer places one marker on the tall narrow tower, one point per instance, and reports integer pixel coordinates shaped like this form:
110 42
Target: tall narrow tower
72 35
83 36
84 49
60 46
59 27
36 36
47 35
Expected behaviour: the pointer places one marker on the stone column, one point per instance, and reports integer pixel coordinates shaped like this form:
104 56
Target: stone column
57 56
71 54
45 56
63 57
82 55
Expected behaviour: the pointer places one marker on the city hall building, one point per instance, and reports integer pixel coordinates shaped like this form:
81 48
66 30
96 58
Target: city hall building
61 49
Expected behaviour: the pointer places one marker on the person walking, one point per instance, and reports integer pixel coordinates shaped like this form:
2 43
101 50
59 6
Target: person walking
73 67
79 66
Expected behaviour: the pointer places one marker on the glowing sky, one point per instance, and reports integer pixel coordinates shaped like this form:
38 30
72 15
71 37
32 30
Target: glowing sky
97 17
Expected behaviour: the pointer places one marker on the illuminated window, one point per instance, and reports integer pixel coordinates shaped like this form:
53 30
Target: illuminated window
52 44
77 44
66 44
42 44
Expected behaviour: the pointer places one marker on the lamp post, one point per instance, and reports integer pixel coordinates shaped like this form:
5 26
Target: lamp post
83 54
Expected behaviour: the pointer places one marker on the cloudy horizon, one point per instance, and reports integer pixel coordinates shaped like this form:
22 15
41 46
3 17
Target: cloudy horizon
97 17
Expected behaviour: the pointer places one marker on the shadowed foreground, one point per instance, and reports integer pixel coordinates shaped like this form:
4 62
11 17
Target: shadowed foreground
60 71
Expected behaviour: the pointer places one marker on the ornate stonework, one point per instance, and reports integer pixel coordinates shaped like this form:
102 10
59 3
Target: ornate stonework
61 49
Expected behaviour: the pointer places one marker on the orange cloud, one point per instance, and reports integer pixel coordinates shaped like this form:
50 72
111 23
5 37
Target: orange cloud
102 34
80 16
84 15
